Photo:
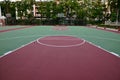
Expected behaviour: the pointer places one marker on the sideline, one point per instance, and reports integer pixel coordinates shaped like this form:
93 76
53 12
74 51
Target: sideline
7 53
104 29
61 35
1 31
104 49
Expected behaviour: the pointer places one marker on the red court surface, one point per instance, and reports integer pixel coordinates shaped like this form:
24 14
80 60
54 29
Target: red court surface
106 29
1 31
60 58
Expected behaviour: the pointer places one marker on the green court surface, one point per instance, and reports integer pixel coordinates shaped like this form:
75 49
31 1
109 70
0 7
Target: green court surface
14 39
9 27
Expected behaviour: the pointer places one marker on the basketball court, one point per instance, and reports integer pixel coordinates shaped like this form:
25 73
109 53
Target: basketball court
50 53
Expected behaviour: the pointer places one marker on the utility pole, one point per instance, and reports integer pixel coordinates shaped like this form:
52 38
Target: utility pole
117 18
0 12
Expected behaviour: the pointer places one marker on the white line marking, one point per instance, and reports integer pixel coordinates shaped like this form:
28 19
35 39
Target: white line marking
17 49
6 54
104 49
26 37
115 54
100 38
20 37
57 35
51 45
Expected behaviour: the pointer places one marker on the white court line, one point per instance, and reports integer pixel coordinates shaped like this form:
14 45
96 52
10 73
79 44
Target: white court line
29 36
7 53
104 49
20 37
52 45
60 35
101 38
62 39
56 35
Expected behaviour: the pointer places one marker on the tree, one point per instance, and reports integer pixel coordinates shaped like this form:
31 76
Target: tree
115 10
25 8
97 11
6 6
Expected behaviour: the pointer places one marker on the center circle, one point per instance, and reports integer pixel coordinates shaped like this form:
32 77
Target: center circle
60 41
